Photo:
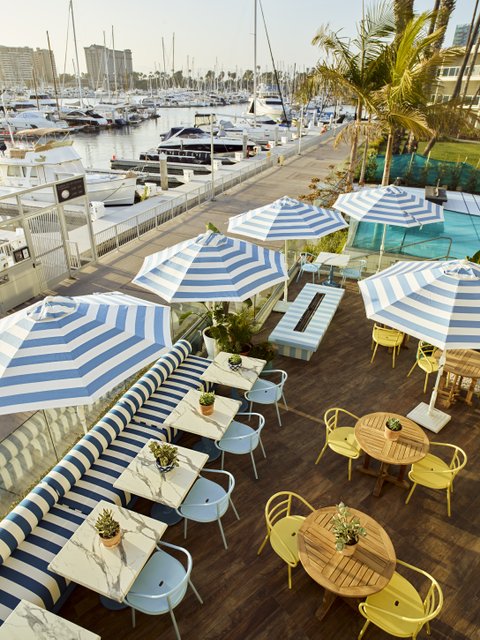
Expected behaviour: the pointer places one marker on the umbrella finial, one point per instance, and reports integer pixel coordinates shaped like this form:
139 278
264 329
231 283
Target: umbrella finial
52 308
462 270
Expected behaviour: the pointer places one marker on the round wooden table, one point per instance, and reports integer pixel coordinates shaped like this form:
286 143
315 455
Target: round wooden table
367 571
461 363
411 447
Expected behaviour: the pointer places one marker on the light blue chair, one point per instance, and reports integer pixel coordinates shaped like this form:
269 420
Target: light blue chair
306 266
354 271
161 584
208 501
268 392
239 438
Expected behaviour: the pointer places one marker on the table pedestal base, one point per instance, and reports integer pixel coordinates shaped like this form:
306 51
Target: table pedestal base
205 445
434 421
328 599
330 282
382 476
112 605
165 514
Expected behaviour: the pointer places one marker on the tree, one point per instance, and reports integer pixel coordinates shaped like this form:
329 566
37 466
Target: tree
403 11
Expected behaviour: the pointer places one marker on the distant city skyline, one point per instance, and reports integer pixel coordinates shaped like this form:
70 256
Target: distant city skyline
216 34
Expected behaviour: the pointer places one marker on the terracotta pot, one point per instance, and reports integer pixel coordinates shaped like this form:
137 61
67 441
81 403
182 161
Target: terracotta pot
391 435
349 549
112 542
206 409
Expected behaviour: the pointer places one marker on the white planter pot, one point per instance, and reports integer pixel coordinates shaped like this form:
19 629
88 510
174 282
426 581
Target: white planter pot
211 345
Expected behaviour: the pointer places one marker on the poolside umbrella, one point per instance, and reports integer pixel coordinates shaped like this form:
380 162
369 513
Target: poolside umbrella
211 267
287 219
68 351
434 301
389 206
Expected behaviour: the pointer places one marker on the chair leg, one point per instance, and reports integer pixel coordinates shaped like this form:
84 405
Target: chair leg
234 509
394 352
414 365
261 446
254 467
133 618
262 546
195 591
284 401
175 626
350 468
289 576
364 628
223 457
449 506
427 624
185 521
222 533
278 414
321 454
410 493
374 352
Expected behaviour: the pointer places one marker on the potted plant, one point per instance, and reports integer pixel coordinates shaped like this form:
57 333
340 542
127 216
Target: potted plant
235 362
166 455
393 427
108 529
206 401
264 351
347 530
236 330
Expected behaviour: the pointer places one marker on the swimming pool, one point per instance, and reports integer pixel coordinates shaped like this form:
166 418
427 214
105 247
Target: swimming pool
462 228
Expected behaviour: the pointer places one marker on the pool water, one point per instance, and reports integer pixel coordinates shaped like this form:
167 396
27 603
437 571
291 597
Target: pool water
462 229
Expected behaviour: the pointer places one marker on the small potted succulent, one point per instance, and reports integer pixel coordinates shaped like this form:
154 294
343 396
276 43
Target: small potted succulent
393 427
206 402
347 530
108 529
166 455
235 361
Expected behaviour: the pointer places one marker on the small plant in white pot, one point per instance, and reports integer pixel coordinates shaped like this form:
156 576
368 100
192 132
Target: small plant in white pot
235 361
347 530
206 402
166 455
393 427
108 529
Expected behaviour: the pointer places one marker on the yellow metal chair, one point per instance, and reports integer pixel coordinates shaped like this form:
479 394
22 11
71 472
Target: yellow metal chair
425 360
339 437
283 526
386 338
434 473
399 609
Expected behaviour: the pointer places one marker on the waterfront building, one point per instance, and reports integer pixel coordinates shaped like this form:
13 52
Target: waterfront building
461 35
16 65
45 66
103 62
447 77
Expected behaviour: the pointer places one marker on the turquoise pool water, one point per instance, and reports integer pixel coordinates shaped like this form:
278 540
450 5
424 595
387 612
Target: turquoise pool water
463 230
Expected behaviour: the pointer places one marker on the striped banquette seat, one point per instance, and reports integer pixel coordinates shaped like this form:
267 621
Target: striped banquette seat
37 528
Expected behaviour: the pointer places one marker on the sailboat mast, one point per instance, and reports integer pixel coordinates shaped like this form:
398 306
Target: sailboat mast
105 56
254 63
76 55
54 75
114 64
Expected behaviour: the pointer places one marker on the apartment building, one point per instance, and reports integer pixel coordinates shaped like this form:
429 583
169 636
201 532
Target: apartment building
103 62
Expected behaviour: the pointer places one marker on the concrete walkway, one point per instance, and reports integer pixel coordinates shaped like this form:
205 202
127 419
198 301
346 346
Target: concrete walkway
115 271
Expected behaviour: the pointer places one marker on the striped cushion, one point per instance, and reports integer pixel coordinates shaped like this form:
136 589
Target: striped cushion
25 575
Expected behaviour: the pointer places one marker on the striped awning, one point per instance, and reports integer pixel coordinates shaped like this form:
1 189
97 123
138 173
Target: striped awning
389 205
434 301
70 351
211 267
287 219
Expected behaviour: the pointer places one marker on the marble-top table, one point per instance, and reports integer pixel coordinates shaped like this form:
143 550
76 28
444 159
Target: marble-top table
142 477
30 622
110 572
187 417
244 378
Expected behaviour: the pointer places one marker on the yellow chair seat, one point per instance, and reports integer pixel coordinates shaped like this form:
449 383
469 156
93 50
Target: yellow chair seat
342 440
429 364
283 538
399 598
431 472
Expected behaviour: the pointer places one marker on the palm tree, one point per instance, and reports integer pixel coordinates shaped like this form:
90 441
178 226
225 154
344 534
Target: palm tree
403 11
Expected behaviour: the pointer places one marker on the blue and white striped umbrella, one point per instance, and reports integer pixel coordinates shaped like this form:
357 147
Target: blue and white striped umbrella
287 219
70 351
434 301
211 267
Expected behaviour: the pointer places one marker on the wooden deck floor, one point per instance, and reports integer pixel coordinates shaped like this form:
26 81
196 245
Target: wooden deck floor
246 596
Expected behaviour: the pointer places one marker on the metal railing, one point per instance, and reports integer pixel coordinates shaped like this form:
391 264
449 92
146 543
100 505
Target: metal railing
426 241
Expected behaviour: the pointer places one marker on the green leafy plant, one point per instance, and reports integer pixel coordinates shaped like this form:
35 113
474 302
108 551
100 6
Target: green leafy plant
264 351
346 528
106 525
235 359
394 424
207 398
165 454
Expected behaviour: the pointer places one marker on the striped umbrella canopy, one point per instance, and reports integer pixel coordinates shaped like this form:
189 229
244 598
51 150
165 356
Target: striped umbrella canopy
67 351
434 301
287 219
211 267
389 206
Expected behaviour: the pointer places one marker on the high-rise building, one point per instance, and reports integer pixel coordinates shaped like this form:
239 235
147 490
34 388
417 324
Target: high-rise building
43 66
461 35
15 66
103 62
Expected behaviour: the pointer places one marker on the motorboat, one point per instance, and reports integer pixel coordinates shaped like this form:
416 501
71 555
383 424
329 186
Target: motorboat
195 139
39 156
268 102
87 118
31 120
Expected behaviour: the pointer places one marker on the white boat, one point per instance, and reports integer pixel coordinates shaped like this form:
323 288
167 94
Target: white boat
38 159
32 119
194 139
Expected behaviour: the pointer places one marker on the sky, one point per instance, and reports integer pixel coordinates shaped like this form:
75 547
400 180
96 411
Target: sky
209 34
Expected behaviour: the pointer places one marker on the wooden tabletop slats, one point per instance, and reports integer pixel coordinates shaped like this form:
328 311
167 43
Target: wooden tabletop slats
367 571
462 362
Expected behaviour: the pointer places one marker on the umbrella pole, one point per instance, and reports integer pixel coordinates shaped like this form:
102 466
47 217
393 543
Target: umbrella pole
285 284
433 398
83 417
382 247
50 434
425 414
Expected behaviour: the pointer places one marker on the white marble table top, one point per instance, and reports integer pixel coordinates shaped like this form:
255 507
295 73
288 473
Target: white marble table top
110 572
332 259
30 622
142 477
244 378
187 417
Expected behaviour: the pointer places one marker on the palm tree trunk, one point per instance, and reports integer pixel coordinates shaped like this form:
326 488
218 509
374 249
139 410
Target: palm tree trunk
388 159
433 22
470 71
353 150
430 145
361 180
468 51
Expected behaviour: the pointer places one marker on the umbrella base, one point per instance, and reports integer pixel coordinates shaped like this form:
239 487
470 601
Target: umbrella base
434 421
281 306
